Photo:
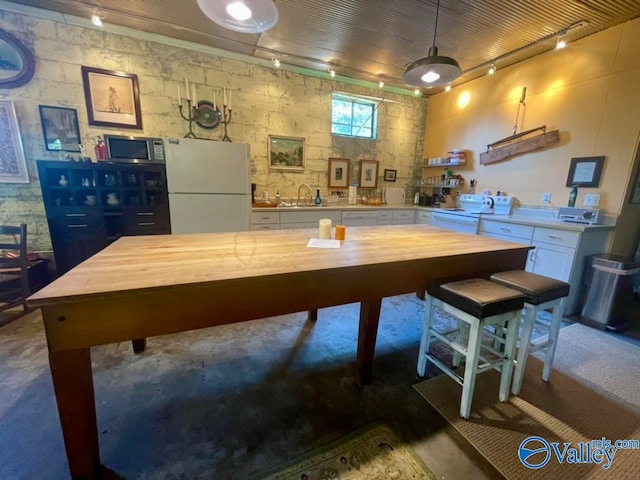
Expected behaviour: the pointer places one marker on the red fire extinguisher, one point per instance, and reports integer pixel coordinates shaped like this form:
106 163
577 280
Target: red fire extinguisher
101 150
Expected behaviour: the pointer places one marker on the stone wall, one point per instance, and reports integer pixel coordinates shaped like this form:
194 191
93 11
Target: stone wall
265 101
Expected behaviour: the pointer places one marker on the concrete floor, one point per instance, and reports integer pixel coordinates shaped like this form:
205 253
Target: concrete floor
231 402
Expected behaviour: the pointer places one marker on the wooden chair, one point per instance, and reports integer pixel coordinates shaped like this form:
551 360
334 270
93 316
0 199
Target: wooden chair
14 280
476 303
541 293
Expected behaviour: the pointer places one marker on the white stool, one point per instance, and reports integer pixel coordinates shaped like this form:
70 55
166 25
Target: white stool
540 294
477 303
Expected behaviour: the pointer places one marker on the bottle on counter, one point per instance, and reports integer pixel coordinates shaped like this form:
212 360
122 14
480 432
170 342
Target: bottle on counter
277 198
573 195
318 199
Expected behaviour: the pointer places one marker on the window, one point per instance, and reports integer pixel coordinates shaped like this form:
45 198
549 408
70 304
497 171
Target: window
353 116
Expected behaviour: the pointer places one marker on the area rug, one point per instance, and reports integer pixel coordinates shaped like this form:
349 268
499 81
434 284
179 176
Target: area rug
594 394
374 453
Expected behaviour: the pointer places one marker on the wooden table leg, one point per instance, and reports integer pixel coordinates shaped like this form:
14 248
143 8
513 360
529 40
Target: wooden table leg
313 315
368 331
73 385
139 344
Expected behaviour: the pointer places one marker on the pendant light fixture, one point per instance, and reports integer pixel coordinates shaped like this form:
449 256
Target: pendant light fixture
246 16
434 70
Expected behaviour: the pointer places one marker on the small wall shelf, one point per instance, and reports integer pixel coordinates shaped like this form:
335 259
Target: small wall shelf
443 165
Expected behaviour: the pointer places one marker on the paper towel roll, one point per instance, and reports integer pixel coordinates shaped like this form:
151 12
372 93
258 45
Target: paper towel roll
353 194
325 229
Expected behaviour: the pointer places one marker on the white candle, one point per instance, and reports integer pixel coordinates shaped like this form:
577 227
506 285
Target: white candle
186 85
179 97
193 86
214 98
325 229
224 95
229 100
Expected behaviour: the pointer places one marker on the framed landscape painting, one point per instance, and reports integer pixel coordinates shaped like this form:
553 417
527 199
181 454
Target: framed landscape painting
338 172
286 153
112 98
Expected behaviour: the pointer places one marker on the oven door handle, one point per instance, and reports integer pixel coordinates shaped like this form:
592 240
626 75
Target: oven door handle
454 218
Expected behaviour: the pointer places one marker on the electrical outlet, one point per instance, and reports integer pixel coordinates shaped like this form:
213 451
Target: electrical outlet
591 200
546 198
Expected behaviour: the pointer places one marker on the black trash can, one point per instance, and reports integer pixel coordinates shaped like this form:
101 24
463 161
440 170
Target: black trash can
609 302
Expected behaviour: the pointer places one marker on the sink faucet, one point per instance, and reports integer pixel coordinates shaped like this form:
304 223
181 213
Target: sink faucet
308 192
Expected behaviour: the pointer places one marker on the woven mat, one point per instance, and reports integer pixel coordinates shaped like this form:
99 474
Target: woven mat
373 453
594 392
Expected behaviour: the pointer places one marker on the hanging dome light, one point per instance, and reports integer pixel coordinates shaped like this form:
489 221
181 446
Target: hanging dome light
246 16
434 70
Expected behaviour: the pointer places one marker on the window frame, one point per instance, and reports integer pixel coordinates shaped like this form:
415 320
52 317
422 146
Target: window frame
372 121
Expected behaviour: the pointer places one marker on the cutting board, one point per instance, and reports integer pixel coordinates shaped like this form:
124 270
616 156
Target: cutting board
394 195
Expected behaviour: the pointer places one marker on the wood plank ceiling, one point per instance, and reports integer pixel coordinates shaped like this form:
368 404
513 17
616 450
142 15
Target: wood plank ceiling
373 40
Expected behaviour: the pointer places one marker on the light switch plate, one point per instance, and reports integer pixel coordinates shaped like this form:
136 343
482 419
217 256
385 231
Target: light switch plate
546 198
591 200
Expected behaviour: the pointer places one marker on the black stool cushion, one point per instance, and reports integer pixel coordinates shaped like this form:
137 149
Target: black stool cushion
478 297
537 288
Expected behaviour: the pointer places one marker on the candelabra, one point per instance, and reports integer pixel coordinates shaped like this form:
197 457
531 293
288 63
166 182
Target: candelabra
226 120
192 115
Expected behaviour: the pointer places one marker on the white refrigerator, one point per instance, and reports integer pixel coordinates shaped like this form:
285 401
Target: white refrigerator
209 185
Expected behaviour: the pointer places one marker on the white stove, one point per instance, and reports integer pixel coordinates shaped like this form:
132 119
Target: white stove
466 216
490 204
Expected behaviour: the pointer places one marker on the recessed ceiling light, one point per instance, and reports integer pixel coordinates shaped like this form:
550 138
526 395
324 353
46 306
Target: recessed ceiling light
96 20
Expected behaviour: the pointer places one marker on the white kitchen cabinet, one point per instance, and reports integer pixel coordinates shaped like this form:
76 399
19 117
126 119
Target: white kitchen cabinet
423 216
551 261
265 220
554 252
359 218
384 217
402 217
511 232
307 218
558 253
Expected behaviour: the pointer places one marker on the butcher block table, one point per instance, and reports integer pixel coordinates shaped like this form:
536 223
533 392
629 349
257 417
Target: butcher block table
143 286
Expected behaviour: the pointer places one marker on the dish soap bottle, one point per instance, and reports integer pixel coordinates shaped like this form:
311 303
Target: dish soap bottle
277 198
573 195
318 200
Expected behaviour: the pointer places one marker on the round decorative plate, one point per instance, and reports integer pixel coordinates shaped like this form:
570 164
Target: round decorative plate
208 116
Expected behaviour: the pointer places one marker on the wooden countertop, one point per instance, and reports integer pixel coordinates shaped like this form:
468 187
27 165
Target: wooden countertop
143 263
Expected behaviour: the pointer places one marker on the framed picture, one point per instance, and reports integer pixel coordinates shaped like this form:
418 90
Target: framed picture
585 172
112 98
286 153
13 168
60 128
368 174
338 172
390 175
17 64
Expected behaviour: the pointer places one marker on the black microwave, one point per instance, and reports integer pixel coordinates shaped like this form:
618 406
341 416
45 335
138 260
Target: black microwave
122 148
